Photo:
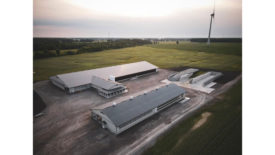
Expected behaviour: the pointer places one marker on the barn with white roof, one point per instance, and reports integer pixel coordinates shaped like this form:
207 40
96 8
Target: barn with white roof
78 81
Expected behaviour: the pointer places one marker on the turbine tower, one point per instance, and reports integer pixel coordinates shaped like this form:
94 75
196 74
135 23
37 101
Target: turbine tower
212 15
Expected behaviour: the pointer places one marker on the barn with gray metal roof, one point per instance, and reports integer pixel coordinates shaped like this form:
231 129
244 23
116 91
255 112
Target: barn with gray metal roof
119 117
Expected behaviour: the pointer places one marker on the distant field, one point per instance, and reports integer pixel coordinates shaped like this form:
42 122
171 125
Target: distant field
221 134
217 48
163 55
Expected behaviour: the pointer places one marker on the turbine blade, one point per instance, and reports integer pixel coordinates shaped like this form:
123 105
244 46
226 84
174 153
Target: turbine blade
214 7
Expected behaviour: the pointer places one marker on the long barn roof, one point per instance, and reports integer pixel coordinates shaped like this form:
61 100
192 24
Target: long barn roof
132 108
84 77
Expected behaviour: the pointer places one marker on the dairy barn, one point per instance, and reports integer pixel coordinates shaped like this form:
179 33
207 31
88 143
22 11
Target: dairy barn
120 117
102 79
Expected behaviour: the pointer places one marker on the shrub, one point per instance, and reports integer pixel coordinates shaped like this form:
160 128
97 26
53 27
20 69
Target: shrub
70 53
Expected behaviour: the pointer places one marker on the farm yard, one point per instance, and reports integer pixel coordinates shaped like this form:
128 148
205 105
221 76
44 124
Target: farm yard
213 125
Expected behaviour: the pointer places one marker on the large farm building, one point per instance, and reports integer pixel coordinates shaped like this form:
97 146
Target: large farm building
120 117
103 79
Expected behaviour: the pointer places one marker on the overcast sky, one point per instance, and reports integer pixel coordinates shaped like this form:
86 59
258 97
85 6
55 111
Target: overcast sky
136 18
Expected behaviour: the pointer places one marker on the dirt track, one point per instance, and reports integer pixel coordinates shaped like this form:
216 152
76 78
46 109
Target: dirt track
66 127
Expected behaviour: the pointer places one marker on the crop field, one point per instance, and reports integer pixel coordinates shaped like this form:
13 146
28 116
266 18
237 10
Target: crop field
220 133
163 55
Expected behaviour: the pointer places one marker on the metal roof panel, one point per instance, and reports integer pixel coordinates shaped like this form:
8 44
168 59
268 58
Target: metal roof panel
132 108
84 77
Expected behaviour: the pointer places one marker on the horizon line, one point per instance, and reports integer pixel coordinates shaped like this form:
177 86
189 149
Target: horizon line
144 37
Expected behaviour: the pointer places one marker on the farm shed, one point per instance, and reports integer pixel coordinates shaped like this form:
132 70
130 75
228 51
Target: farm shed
78 81
107 88
120 117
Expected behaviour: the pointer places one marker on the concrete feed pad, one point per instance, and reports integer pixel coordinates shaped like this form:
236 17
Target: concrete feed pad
205 80
210 85
196 87
227 75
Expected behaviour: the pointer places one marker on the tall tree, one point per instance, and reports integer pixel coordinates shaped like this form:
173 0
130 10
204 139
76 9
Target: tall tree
57 52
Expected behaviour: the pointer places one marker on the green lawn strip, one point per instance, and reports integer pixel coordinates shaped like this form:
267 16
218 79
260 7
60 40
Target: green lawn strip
221 134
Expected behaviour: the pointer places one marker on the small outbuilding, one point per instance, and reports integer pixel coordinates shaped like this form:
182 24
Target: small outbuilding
107 88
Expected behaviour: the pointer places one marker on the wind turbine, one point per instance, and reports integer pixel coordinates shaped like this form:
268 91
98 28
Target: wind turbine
212 15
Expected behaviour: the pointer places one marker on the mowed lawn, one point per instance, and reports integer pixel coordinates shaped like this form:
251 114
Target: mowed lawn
220 134
162 57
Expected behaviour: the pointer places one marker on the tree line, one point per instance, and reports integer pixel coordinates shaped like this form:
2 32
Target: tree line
56 43
51 47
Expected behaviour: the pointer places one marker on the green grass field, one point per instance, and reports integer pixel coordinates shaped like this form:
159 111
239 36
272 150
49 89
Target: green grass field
217 48
221 134
164 57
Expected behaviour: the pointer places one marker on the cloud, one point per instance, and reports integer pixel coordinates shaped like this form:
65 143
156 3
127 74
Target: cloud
58 18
